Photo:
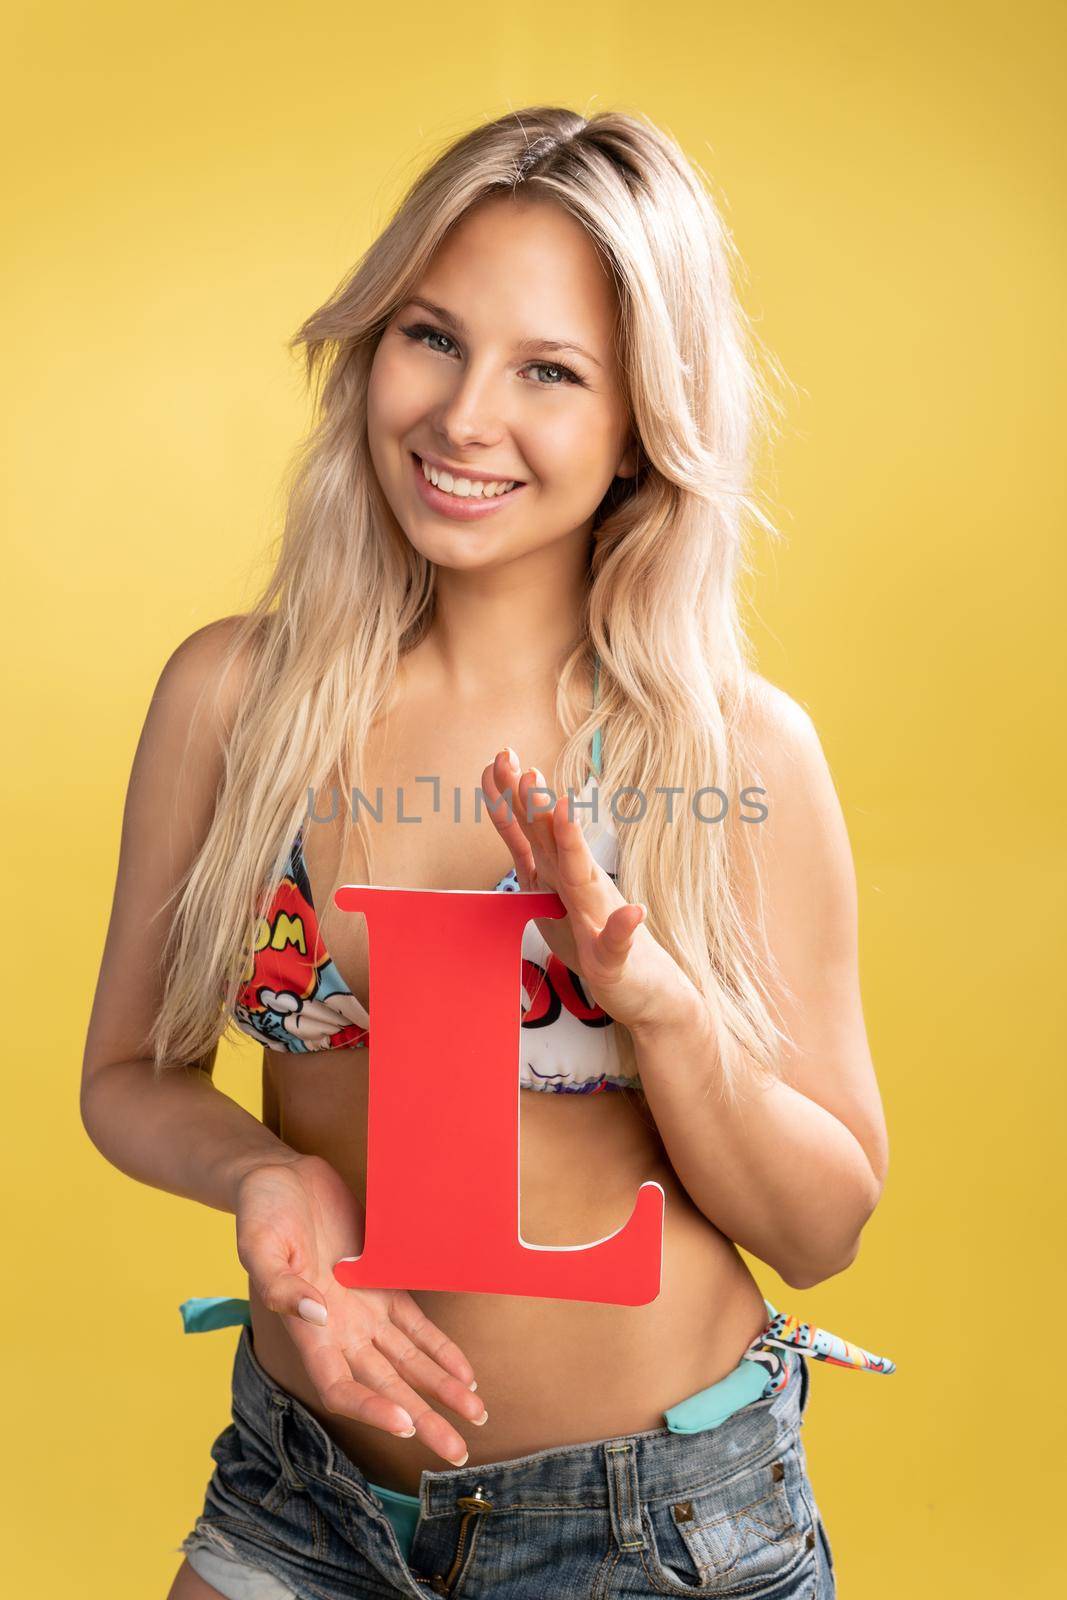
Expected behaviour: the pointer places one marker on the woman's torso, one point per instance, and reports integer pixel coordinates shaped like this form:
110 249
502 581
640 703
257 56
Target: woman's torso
551 1372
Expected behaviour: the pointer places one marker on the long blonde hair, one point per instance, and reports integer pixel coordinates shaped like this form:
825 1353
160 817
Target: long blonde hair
349 594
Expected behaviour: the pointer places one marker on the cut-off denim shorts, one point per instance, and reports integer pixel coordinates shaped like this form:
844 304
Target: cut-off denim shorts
703 1507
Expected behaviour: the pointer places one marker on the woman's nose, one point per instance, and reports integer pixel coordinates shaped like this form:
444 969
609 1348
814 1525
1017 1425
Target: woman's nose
475 412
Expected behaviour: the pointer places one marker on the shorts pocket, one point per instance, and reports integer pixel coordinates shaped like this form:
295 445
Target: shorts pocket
245 1472
751 1536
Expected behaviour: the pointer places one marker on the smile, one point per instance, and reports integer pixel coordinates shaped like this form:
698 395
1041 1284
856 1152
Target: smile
463 499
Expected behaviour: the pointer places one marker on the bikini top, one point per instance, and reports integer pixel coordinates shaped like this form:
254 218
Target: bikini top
292 996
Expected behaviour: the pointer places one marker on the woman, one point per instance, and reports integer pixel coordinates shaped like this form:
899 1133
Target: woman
511 550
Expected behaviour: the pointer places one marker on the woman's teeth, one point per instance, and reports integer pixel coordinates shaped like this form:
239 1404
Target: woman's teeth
465 488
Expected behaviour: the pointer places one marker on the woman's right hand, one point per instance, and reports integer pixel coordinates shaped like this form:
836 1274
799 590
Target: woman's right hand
376 1348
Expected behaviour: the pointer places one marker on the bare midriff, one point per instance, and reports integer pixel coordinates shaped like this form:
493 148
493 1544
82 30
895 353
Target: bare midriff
551 1372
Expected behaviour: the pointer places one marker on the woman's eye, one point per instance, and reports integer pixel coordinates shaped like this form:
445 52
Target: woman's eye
422 331
546 366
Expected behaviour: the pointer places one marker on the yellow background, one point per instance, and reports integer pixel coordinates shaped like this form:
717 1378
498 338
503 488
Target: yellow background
189 182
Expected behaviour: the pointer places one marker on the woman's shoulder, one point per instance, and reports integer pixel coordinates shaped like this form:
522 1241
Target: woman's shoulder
803 836
782 754
774 725
203 653
210 668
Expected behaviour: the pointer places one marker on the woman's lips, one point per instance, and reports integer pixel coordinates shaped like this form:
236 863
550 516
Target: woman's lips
460 508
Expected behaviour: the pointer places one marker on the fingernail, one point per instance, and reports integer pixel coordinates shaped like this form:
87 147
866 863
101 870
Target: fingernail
474 1385
513 760
479 1421
461 1460
405 1432
311 1311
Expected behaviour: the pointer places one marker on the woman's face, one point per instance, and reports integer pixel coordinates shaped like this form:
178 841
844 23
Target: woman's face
472 382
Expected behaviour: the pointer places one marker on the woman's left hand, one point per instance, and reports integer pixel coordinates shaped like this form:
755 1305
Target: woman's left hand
623 967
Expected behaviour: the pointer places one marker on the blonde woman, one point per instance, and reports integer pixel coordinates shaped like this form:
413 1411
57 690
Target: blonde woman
509 564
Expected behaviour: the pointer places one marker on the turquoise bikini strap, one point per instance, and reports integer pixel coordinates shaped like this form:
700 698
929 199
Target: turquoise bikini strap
204 1313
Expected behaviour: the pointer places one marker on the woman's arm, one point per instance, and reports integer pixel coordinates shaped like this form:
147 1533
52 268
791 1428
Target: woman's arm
373 1354
793 1172
177 1131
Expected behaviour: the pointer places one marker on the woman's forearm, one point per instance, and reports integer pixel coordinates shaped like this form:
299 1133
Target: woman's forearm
176 1131
775 1172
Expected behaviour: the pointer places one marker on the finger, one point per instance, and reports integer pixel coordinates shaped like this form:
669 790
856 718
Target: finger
424 1374
296 1297
578 869
331 1373
616 937
371 1367
559 937
279 1289
495 781
409 1316
535 814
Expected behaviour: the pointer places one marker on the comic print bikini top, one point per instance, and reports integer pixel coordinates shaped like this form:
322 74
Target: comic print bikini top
293 997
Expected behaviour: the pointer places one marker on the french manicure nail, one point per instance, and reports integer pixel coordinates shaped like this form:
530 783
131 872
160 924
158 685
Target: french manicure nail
474 1385
461 1460
407 1433
513 760
480 1421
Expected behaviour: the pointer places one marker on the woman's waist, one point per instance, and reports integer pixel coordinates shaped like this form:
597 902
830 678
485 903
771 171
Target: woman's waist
581 1158
557 1372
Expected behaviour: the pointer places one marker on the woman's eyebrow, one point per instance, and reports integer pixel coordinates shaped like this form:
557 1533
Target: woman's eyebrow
444 315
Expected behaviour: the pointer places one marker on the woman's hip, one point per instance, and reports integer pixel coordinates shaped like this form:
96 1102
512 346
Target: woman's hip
724 1510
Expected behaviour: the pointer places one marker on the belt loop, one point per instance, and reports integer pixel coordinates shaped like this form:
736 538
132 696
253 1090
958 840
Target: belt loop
624 1494
279 1410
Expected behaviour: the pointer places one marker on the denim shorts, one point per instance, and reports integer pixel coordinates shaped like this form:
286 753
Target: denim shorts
726 1511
